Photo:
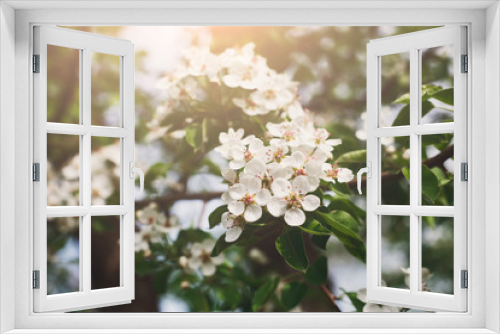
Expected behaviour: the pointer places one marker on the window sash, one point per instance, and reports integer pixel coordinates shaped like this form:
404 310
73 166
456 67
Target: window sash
86 297
412 43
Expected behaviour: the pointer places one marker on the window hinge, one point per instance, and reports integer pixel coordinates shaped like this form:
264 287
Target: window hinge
36 172
36 63
464 279
464 171
36 279
465 64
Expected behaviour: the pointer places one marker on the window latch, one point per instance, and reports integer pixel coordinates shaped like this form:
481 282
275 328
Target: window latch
132 171
368 171
36 279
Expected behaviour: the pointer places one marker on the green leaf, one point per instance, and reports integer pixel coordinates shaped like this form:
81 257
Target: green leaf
290 245
342 204
220 245
406 172
263 293
312 226
444 95
441 176
403 99
292 294
157 170
354 156
345 228
353 297
430 183
340 188
317 272
194 136
215 216
320 241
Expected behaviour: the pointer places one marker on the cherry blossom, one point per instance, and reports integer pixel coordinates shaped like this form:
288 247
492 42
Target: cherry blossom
201 259
248 197
332 173
233 224
291 200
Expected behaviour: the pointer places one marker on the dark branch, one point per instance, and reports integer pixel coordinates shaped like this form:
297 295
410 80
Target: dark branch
164 201
436 161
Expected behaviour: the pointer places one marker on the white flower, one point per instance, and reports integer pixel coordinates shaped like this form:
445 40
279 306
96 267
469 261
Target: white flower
290 199
302 167
276 152
332 173
295 111
244 69
426 274
320 138
199 61
285 133
151 216
249 107
375 308
229 175
101 188
255 145
267 172
233 145
200 257
234 226
272 96
247 197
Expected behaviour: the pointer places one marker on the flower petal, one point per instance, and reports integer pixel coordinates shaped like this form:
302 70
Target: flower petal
237 191
208 269
276 206
300 184
237 164
229 174
233 234
297 159
252 213
252 183
281 187
255 167
310 202
295 217
263 197
194 263
236 207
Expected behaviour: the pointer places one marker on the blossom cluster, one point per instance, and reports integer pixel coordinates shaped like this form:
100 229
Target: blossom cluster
251 86
279 176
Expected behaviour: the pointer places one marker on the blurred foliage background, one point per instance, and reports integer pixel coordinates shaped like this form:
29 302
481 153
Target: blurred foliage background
330 65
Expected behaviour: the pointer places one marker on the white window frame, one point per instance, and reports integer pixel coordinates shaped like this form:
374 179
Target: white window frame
413 44
483 20
85 43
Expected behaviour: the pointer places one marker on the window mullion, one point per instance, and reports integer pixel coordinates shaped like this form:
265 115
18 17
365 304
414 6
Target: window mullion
414 169
86 171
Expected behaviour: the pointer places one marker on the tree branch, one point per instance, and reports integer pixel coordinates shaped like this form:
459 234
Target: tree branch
436 161
331 297
163 201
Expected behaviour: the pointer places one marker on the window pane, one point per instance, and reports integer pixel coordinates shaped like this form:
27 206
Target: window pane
395 164
63 84
105 169
63 170
105 249
105 89
437 170
395 91
437 84
437 254
63 255
395 253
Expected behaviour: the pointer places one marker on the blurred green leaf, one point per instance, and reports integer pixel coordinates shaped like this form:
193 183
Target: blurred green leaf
290 245
317 272
353 297
215 216
340 188
343 204
292 294
442 178
430 183
406 172
354 156
444 95
220 245
157 170
345 228
312 226
194 135
320 241
263 293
